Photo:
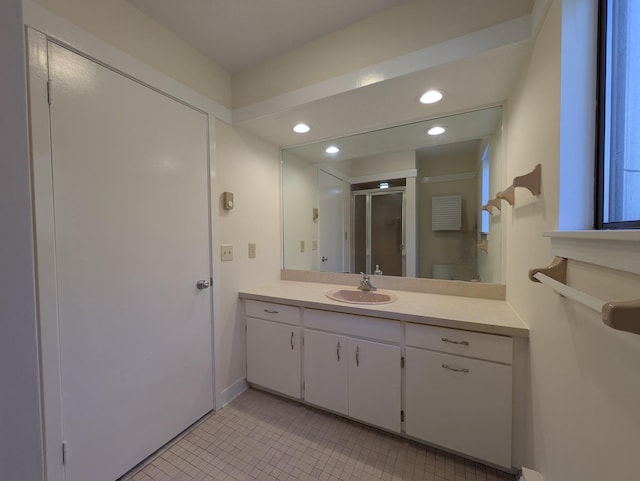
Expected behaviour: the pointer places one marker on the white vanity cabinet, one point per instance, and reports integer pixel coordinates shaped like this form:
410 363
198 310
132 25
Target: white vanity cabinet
274 347
458 391
352 365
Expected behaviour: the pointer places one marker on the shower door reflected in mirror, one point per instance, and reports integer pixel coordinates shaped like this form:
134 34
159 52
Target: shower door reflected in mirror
378 231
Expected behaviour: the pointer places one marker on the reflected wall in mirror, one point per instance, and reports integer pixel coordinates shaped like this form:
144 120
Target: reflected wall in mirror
398 201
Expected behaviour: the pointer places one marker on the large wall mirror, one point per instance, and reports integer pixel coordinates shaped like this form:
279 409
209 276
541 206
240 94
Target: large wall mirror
405 200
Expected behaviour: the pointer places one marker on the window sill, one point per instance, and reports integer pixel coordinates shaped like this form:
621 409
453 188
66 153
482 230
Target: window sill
615 249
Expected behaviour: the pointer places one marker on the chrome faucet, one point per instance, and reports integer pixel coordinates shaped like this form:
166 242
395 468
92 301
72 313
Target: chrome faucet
365 283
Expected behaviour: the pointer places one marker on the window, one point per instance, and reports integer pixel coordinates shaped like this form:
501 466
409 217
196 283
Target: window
484 227
618 162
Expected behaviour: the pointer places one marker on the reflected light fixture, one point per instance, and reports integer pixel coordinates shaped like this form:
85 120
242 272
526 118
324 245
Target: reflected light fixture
332 149
431 97
301 128
437 130
384 185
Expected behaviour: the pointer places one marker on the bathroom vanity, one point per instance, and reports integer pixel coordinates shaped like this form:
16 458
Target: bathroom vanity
435 368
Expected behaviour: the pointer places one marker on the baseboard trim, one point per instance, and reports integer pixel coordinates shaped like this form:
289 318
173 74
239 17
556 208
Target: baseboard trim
230 393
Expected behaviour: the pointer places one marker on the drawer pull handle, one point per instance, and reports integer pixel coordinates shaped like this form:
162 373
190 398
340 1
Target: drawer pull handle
462 343
357 356
291 340
338 351
270 312
446 366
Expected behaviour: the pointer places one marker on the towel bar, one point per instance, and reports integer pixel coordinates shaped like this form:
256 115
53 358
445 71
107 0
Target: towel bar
622 315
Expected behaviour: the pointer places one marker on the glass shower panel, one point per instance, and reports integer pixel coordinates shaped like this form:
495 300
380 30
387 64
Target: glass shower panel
387 233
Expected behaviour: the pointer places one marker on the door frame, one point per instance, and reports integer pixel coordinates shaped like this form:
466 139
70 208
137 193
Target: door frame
44 227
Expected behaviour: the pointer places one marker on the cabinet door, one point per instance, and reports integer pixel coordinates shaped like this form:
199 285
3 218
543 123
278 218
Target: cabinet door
325 370
273 356
374 383
459 403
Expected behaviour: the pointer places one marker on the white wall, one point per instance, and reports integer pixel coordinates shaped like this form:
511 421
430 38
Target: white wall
300 197
583 422
122 25
458 248
20 430
250 168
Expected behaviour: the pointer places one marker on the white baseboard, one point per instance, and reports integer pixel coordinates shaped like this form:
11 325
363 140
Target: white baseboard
531 475
230 393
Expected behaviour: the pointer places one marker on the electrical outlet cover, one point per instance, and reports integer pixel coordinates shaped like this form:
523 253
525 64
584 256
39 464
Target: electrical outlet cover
226 252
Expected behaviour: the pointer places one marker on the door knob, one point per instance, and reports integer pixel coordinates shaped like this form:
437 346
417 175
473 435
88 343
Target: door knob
324 259
202 284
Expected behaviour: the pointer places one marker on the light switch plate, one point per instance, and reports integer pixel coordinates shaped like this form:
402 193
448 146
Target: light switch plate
314 245
302 246
226 252
252 250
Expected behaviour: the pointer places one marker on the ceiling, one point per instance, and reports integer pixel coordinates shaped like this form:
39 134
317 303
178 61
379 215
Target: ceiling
240 34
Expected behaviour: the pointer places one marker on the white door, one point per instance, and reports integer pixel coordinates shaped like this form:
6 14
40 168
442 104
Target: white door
130 181
273 356
374 383
331 225
325 370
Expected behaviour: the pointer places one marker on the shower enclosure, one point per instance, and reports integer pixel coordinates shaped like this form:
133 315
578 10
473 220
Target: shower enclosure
379 231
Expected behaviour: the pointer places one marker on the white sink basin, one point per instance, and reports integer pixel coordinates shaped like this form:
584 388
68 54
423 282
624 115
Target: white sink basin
356 296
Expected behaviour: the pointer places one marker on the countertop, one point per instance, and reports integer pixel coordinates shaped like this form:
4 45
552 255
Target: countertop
472 314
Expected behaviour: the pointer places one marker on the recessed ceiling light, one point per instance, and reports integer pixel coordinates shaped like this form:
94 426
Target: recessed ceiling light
301 128
384 185
332 149
437 130
430 97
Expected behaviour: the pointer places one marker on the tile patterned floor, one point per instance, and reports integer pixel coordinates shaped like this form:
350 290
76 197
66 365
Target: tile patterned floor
261 437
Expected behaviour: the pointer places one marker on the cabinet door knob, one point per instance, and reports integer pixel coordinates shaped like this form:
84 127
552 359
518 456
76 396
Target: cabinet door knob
338 351
357 356
270 312
291 340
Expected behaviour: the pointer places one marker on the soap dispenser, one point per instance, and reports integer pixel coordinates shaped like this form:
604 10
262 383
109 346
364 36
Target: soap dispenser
377 272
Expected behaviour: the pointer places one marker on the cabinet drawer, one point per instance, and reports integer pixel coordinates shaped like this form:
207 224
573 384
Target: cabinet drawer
353 325
463 343
273 312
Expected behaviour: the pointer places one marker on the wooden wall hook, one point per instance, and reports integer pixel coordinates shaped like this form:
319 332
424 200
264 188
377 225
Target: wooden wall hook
531 182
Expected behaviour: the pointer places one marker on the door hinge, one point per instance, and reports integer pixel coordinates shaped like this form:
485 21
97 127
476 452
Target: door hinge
49 91
65 453
401 416
402 363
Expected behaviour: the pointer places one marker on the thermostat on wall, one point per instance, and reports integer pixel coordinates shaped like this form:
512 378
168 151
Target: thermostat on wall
227 200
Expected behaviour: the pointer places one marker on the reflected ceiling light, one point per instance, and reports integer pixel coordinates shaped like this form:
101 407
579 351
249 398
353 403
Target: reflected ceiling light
384 185
437 130
332 149
431 97
301 129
